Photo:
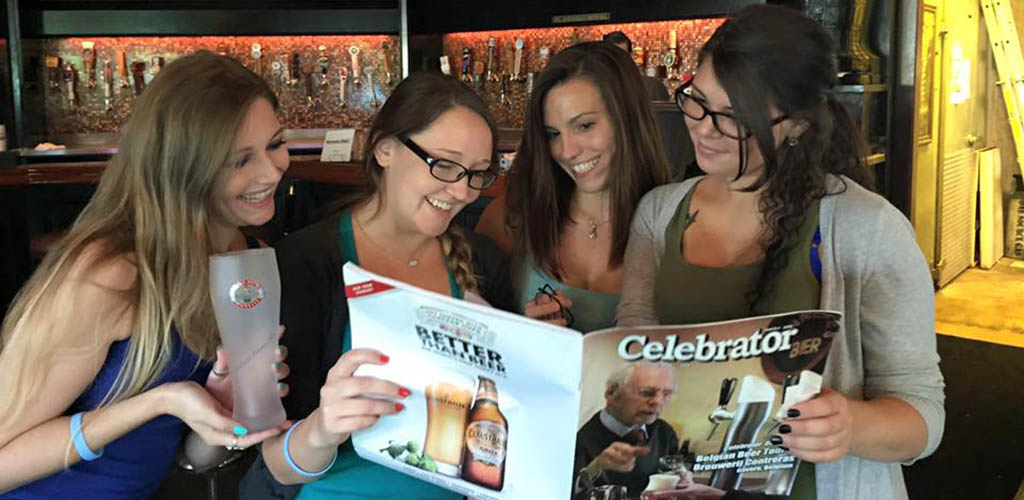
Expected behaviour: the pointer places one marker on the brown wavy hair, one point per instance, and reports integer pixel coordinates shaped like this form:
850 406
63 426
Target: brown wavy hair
413 106
767 55
539 191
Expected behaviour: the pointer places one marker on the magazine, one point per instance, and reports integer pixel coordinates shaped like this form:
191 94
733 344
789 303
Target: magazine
504 407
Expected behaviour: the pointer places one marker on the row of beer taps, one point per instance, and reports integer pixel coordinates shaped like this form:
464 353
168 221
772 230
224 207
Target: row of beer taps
66 74
479 73
286 69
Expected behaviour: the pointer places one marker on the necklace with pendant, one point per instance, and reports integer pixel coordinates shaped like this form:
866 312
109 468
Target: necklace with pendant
593 227
413 260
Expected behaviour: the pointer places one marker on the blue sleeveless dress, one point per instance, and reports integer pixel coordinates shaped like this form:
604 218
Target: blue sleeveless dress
133 465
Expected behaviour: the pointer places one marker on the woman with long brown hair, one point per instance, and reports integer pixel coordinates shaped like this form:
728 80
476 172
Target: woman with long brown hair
430 152
107 345
785 220
590 151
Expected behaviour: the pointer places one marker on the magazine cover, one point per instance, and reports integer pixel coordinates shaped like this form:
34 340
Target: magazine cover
495 396
505 407
708 397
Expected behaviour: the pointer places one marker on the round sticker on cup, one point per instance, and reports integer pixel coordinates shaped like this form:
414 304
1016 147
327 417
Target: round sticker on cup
246 294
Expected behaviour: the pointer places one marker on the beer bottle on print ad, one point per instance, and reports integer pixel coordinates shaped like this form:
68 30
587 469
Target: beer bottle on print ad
483 461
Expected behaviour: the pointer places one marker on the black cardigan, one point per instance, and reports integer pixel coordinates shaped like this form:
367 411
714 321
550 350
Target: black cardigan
314 312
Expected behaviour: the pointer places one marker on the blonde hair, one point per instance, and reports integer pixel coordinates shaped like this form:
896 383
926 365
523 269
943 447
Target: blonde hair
153 207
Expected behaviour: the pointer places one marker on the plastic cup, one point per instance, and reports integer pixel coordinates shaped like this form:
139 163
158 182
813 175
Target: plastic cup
246 292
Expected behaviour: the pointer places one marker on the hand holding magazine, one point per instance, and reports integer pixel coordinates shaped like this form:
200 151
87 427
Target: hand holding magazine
505 407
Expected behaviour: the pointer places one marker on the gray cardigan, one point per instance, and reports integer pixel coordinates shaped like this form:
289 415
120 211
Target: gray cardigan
872 272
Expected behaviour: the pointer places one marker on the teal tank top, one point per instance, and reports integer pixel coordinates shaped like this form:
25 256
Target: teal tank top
352 477
591 310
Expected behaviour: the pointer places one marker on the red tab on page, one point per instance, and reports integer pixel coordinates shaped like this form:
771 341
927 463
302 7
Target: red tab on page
366 288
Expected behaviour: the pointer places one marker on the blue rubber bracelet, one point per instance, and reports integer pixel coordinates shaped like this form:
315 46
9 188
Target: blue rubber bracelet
79 440
293 465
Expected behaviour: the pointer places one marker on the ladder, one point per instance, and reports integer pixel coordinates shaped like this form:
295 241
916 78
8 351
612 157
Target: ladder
1002 35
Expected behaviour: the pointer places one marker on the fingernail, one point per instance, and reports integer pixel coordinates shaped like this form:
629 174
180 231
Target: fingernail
399 407
282 351
278 366
783 448
791 413
776 440
384 359
240 431
403 392
281 387
785 429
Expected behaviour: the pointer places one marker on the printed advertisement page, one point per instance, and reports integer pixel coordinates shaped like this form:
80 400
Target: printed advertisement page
495 396
697 405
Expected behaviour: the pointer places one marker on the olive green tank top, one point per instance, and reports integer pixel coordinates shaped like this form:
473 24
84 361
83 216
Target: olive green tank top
686 293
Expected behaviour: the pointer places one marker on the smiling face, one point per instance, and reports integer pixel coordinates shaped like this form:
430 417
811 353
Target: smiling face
581 136
417 200
257 162
717 154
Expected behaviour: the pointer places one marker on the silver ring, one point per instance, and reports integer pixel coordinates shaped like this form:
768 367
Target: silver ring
218 374
234 444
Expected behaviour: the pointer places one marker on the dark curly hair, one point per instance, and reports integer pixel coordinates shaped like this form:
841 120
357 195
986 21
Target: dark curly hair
766 55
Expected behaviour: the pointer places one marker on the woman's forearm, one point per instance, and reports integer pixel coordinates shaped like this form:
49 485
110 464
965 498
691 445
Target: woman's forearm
887 429
47 448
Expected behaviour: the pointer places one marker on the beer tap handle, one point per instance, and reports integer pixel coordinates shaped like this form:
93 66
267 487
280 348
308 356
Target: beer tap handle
108 85
489 72
139 74
307 72
256 51
467 56
53 68
502 96
293 69
386 49
69 80
369 83
324 64
342 82
122 69
353 53
478 74
517 64
725 393
89 63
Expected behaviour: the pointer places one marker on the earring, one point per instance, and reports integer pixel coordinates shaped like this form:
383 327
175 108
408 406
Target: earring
792 141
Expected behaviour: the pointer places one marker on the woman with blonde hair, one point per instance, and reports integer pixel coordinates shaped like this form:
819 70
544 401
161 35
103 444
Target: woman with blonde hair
107 345
430 152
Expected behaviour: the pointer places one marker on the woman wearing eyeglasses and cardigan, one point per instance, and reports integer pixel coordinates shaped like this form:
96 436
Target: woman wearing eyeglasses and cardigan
785 220
590 150
431 151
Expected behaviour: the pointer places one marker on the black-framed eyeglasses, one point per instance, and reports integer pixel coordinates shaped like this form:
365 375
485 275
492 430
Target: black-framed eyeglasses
449 171
725 123
565 312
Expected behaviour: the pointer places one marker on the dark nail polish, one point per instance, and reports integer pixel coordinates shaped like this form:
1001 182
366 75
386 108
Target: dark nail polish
791 413
785 429
282 351
776 440
281 387
783 448
278 366
403 392
384 359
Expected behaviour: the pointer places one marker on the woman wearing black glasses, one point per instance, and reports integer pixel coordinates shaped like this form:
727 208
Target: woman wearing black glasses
785 220
431 151
590 150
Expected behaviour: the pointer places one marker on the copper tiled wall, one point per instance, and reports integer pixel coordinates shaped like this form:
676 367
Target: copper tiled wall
652 36
92 115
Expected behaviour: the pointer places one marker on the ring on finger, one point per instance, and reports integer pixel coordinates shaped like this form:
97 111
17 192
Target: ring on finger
234 444
219 374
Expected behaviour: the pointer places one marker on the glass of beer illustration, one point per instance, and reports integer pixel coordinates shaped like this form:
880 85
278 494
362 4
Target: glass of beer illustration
448 400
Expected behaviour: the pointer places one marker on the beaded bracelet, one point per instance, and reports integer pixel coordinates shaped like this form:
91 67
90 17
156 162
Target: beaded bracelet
79 440
293 465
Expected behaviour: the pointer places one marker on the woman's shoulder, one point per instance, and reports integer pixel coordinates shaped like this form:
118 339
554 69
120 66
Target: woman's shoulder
663 200
855 206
